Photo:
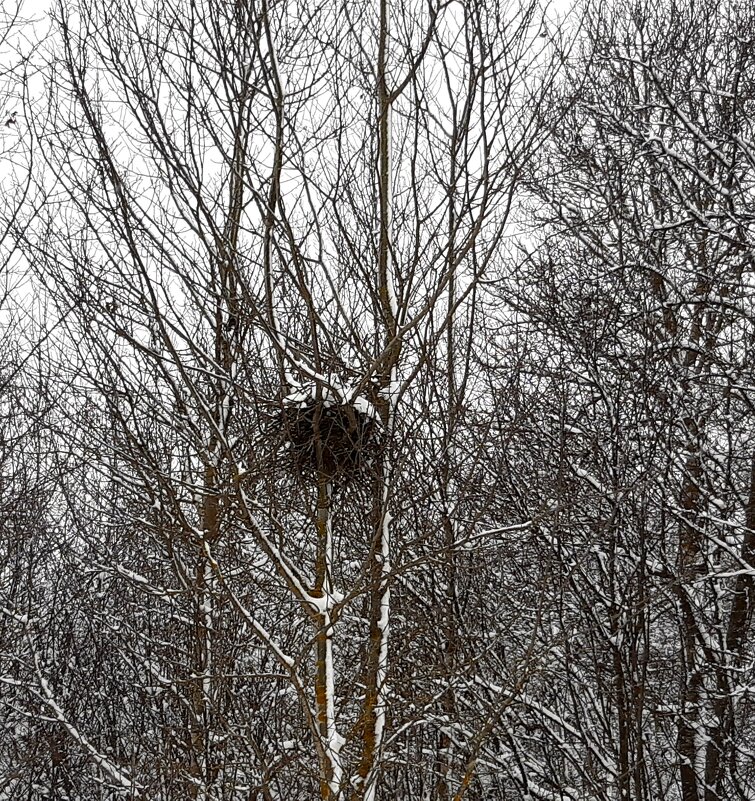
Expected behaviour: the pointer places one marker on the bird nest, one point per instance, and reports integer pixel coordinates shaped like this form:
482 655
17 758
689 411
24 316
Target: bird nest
328 436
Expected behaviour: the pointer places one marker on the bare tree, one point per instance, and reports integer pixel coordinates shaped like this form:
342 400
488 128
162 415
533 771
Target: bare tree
641 293
265 228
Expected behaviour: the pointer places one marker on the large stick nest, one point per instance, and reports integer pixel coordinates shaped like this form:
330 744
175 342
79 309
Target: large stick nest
330 437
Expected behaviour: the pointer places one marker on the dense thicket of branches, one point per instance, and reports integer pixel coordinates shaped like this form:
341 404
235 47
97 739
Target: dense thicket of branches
376 402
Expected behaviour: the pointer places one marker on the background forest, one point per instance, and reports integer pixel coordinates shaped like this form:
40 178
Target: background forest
376 401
